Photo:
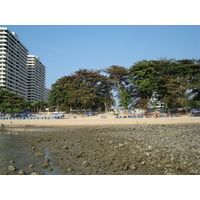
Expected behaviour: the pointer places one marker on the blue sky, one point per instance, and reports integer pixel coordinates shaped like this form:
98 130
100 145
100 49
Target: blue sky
64 49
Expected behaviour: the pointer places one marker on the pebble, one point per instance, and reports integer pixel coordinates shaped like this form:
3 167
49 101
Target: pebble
21 172
132 167
65 147
121 145
85 163
45 164
143 162
31 166
11 168
39 154
150 148
69 169
34 173
47 160
50 169
147 154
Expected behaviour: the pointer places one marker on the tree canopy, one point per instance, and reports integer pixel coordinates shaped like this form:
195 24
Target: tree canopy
10 102
176 81
84 89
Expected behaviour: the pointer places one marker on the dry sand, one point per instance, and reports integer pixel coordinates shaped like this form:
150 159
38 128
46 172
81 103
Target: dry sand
98 121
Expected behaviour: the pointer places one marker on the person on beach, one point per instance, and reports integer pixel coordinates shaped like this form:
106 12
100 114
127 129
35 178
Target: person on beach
2 126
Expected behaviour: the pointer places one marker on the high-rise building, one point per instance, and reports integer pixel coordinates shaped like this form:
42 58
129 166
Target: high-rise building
36 79
20 73
13 63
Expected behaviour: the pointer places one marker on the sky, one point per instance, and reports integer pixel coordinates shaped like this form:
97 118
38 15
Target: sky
64 49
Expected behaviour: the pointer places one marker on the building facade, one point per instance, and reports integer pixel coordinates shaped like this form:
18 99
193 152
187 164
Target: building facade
20 73
13 63
36 79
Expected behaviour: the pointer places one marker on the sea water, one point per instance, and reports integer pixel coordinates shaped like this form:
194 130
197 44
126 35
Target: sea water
13 152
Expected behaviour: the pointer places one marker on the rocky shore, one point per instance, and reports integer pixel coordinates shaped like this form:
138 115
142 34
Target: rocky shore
110 150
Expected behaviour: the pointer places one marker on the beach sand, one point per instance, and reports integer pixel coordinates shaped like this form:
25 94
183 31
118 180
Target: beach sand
98 121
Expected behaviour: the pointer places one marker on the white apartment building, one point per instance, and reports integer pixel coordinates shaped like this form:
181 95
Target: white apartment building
13 59
20 73
36 79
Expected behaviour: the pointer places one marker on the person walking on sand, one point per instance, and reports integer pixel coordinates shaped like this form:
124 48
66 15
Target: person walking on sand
2 127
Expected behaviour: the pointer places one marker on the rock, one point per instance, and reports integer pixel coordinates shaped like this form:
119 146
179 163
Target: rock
121 145
159 166
45 164
31 166
40 173
149 148
21 172
125 167
11 168
79 173
50 169
143 162
65 147
47 160
12 161
85 163
147 154
132 167
69 169
39 154
33 148
4 173
34 173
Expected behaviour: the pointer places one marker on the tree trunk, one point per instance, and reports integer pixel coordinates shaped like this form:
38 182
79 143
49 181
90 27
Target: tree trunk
106 108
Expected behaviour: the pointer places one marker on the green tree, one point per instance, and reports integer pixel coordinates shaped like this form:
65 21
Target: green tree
182 83
84 89
178 92
148 77
118 76
10 102
39 106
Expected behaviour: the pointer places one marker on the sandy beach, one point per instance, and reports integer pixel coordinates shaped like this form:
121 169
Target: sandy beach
99 121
